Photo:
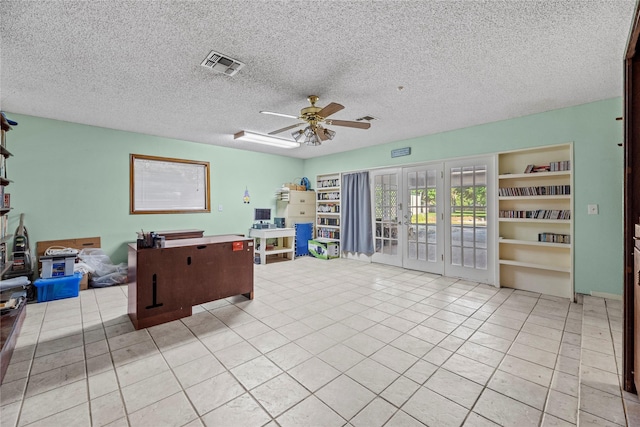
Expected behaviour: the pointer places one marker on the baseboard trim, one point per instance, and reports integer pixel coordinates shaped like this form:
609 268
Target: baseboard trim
606 295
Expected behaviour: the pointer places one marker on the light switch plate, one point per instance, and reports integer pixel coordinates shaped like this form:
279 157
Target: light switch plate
592 209
219 208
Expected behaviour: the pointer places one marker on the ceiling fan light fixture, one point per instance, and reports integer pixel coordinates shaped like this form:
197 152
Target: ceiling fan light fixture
259 138
329 133
308 132
298 135
312 139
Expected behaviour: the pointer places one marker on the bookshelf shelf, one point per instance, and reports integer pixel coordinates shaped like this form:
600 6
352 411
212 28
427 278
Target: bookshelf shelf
556 197
534 243
534 175
523 262
534 220
536 266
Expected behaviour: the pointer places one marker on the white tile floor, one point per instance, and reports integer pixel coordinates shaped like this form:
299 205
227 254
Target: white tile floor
324 343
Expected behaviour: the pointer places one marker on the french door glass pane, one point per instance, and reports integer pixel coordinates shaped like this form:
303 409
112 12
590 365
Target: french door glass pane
468 186
422 251
432 251
386 213
420 217
456 255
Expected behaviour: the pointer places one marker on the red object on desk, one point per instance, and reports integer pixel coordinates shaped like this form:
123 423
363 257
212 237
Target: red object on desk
238 246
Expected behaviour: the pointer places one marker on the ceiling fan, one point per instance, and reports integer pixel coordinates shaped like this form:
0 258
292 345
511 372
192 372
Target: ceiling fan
314 117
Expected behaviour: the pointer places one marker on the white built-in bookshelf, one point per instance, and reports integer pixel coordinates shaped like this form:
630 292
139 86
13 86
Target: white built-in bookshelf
535 220
328 207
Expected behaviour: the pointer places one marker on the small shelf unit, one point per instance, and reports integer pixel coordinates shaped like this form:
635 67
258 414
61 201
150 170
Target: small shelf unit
524 261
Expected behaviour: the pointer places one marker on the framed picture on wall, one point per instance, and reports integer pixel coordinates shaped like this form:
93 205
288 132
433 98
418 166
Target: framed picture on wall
162 185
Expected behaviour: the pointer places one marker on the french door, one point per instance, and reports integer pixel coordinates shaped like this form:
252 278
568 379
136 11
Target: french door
422 219
386 214
433 218
469 242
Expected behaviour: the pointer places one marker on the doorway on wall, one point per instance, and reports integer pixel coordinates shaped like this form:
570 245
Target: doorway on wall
434 218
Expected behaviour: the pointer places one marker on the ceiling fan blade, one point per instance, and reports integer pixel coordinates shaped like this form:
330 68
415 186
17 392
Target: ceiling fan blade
346 123
320 133
279 114
275 132
330 109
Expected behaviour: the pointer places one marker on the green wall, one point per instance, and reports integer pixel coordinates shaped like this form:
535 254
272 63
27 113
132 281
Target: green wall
72 180
598 178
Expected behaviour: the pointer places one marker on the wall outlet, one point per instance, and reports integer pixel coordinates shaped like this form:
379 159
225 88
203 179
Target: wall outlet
592 209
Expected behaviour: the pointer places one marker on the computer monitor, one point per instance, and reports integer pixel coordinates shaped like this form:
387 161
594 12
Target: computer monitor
262 214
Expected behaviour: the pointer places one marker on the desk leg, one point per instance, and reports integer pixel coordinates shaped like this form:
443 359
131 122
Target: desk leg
291 244
263 251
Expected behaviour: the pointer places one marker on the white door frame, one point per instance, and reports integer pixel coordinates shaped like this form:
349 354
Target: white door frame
399 220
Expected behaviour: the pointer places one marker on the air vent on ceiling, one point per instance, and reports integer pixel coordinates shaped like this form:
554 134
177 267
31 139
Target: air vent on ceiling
222 64
367 118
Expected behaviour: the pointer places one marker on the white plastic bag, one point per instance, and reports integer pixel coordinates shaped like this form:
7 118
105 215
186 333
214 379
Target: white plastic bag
105 273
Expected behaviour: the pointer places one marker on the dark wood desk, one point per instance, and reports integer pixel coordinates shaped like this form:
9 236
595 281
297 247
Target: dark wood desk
165 283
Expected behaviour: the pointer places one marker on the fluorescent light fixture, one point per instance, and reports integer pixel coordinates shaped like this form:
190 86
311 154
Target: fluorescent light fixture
265 139
289 116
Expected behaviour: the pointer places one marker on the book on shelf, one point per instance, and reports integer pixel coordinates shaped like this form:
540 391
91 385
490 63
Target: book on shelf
549 190
537 214
543 168
554 238
563 165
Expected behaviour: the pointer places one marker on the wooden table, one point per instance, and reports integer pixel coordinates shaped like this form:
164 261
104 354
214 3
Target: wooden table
164 283
288 236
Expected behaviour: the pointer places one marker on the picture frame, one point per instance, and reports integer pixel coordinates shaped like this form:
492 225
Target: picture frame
164 185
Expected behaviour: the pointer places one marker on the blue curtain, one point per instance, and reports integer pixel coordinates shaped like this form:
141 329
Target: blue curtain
357 234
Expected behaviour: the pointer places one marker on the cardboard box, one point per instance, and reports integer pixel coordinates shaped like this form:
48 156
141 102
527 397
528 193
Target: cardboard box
324 248
84 282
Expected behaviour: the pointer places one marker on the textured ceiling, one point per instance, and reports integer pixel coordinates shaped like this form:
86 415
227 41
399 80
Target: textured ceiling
135 65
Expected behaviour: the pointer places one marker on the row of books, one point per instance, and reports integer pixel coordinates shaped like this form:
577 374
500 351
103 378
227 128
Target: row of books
334 195
328 208
329 221
563 165
326 183
554 238
328 233
538 214
549 190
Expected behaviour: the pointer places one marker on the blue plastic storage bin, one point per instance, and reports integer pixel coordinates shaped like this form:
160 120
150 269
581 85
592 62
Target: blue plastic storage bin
58 287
